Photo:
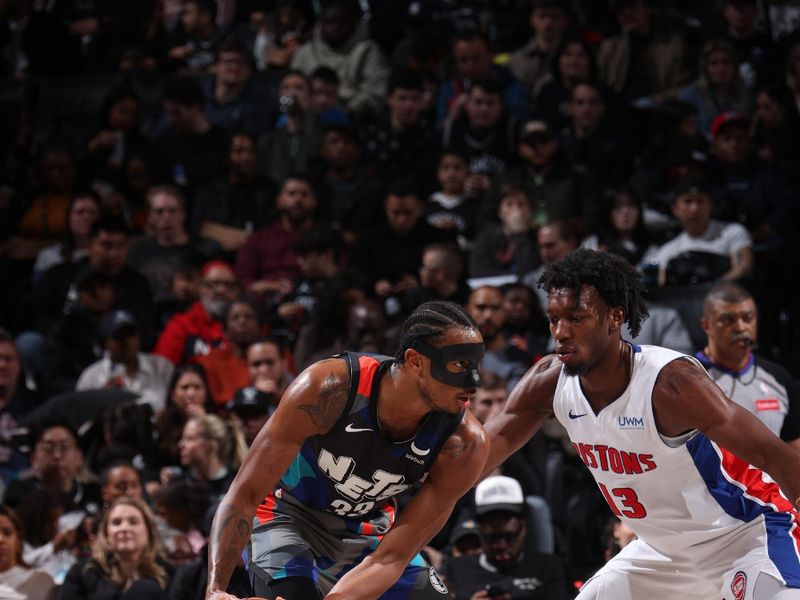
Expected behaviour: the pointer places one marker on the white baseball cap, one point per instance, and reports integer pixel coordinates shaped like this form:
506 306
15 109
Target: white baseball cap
499 493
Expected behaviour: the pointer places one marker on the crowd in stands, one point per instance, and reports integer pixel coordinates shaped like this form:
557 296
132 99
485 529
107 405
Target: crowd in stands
200 198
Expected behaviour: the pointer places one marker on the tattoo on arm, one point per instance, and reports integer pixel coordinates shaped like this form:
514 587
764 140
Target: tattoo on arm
230 532
330 402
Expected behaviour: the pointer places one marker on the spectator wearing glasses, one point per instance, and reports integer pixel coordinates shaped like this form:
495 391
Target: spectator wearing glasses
197 330
506 568
57 461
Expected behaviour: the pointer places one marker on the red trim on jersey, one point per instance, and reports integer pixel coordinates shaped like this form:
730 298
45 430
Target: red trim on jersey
368 366
762 491
266 510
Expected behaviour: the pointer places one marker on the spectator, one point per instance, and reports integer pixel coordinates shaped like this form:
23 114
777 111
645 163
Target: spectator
293 146
641 61
341 43
197 330
718 250
556 191
400 140
83 211
124 366
226 366
276 39
755 52
74 341
730 322
232 100
555 240
57 462
195 48
12 404
309 313
618 536
590 143
526 324
506 567
777 126
211 450
349 191
108 149
181 508
167 244
120 479
267 263
390 255
622 230
325 101
484 132
531 63
192 147
473 61
573 63
228 209
42 219
485 305
126 557
188 397
508 248
250 409
718 88
451 208
268 369
17 580
440 277
366 331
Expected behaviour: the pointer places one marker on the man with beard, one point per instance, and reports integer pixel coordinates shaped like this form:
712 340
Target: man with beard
267 262
196 331
668 450
730 322
507 567
510 362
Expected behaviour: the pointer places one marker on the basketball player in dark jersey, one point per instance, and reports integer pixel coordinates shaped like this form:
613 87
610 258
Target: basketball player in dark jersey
313 502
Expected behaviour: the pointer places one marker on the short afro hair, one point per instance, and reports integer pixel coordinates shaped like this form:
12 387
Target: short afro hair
617 282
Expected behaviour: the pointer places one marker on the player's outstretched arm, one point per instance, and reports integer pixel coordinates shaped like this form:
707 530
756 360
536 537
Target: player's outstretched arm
685 398
455 471
528 406
310 406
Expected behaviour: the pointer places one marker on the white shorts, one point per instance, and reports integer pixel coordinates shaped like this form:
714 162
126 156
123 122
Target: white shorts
726 568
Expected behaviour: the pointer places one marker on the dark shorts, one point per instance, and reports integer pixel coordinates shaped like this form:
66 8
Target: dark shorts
291 540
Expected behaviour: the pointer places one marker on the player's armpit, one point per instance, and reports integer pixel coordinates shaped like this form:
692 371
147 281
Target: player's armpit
528 406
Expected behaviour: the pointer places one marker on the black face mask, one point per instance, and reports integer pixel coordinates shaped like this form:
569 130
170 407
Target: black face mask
440 357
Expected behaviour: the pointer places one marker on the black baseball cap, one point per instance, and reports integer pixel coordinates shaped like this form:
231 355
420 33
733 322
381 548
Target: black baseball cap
250 398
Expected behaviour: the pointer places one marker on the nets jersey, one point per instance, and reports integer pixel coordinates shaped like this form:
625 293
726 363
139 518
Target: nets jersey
672 497
353 471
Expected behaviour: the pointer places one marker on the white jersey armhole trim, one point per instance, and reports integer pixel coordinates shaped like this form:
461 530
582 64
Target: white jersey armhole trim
682 439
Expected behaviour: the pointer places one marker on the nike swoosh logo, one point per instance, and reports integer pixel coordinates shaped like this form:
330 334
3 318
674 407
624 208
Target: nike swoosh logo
351 429
419 452
573 416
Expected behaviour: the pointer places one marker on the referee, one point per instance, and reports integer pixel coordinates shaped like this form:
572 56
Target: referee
762 387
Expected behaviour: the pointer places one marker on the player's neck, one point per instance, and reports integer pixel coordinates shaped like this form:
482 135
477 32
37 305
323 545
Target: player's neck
400 411
608 379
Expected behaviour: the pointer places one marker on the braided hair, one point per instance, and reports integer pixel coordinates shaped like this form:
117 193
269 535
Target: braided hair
617 282
430 321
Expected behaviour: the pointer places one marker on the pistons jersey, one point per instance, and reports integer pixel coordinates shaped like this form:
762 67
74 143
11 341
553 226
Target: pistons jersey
353 471
673 492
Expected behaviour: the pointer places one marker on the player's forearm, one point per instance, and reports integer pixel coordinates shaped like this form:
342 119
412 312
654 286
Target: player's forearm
229 533
369 580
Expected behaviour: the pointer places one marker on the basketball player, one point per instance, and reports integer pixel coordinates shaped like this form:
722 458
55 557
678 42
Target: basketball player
349 434
670 453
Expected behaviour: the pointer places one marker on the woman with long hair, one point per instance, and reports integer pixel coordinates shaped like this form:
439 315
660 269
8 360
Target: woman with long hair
126 558
15 575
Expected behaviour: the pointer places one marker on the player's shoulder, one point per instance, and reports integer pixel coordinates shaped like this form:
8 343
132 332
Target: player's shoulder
467 440
542 375
321 391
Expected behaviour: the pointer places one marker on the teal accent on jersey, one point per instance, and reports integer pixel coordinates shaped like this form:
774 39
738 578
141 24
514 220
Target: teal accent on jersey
299 469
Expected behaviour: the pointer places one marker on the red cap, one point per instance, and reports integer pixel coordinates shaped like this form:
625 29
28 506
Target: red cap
726 118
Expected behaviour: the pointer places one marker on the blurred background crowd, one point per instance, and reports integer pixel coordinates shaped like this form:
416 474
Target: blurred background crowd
199 198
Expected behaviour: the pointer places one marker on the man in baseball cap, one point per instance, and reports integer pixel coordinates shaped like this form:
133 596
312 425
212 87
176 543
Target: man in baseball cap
252 407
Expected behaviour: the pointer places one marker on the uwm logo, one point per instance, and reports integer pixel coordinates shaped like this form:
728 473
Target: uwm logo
361 494
630 422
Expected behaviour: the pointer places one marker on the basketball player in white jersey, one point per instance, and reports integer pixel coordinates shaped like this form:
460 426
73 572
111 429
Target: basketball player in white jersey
670 453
